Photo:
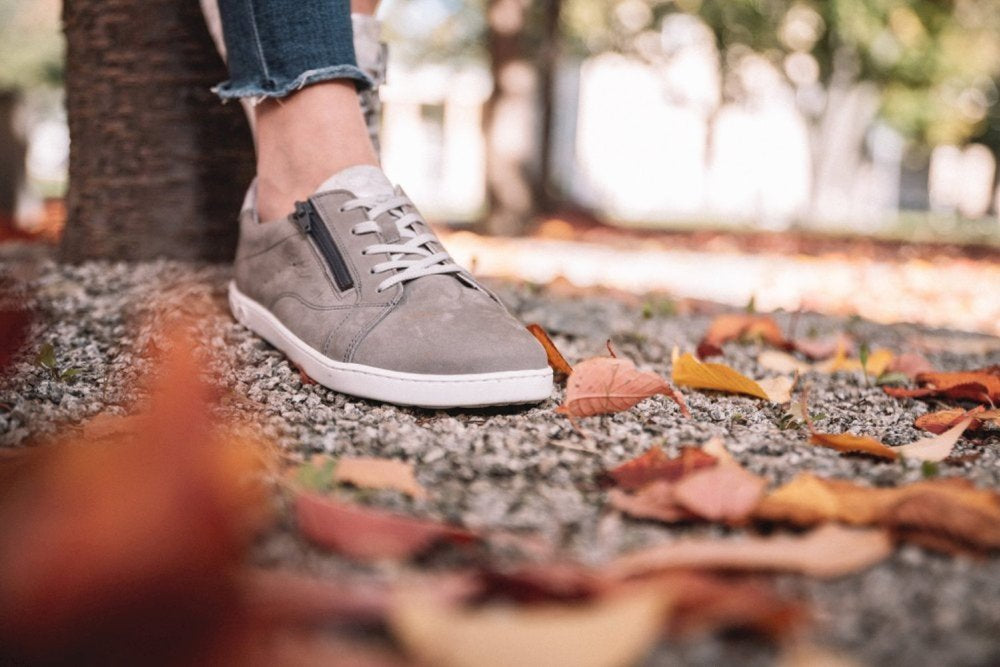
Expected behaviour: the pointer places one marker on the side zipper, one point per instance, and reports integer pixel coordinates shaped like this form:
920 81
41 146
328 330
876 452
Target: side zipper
309 221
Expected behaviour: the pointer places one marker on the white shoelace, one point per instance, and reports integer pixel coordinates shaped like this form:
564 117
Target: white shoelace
410 258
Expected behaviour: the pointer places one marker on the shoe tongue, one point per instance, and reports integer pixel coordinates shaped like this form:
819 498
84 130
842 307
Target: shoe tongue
362 181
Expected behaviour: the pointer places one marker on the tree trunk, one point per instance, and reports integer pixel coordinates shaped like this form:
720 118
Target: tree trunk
158 166
12 153
548 61
510 122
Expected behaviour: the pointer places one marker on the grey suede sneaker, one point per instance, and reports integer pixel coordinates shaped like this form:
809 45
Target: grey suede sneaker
356 289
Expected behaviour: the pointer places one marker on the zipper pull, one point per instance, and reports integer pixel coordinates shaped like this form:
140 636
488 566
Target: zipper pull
303 216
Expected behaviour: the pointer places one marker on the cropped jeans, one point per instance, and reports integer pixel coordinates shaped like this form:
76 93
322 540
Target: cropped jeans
276 47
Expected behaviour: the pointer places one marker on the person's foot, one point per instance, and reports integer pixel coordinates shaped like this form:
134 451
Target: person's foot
356 290
372 56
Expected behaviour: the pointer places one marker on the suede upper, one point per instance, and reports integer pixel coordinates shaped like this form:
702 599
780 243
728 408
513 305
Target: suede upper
434 324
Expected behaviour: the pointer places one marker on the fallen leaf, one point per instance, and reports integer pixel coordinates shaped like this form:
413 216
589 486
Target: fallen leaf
279 596
557 361
910 364
124 549
14 326
941 421
653 501
982 386
950 510
366 534
736 326
725 493
655 465
717 447
878 360
303 376
604 385
782 362
375 473
854 444
689 372
778 389
825 347
828 551
935 448
705 603
618 630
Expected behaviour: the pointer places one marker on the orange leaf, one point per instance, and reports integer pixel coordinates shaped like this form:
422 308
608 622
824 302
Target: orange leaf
735 326
982 386
606 385
375 473
854 444
689 372
941 421
556 360
365 534
951 511
828 551
656 465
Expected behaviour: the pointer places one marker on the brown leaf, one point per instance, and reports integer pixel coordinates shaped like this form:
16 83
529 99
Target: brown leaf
654 501
982 386
724 493
122 548
605 385
689 372
735 326
616 630
366 534
828 551
948 509
854 444
656 465
279 596
14 325
375 473
911 365
824 348
939 422
557 361
705 603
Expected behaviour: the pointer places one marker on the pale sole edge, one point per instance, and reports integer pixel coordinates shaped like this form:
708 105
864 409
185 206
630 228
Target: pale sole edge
429 391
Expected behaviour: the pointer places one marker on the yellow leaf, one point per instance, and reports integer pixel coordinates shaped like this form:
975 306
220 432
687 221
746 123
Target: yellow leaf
689 372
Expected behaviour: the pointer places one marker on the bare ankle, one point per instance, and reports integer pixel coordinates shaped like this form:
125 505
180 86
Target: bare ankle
304 139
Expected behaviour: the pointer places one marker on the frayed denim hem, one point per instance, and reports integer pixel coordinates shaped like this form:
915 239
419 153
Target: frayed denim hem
256 93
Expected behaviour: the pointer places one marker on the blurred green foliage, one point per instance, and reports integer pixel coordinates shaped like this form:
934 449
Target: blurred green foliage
935 62
31 44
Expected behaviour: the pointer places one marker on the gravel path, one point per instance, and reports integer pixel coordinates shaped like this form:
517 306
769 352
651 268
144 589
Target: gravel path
521 469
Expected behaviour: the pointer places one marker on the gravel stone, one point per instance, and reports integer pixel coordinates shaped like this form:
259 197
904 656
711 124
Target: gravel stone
522 469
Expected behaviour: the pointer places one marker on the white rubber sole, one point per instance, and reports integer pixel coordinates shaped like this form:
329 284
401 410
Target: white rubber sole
428 391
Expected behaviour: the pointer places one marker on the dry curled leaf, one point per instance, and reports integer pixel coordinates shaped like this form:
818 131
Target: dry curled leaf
605 385
825 347
690 372
782 362
375 473
849 443
557 361
828 551
740 326
941 421
655 465
366 534
982 386
778 388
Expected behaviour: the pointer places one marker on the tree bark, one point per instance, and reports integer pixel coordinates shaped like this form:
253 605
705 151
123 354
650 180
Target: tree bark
158 165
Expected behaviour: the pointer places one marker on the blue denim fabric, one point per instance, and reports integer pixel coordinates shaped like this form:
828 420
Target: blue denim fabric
276 47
